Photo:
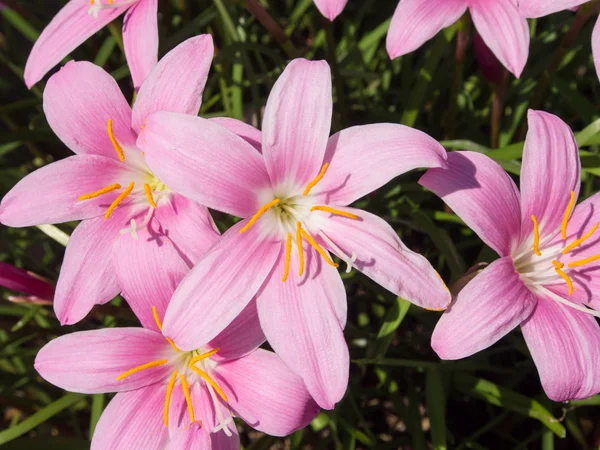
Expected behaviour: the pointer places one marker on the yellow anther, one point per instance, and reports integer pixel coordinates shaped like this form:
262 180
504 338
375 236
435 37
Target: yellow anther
170 341
118 200
567 215
170 387
104 190
583 262
318 248
536 236
110 2
558 266
156 318
300 249
210 381
188 399
314 182
337 212
288 257
581 240
137 369
208 354
149 195
114 141
259 213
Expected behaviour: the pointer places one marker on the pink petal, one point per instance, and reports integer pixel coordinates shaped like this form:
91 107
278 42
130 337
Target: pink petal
488 308
241 336
596 46
87 277
364 158
504 31
90 361
181 219
205 162
565 346
482 194
331 8
149 269
237 261
416 21
133 420
550 153
250 134
260 385
78 102
140 39
382 256
67 30
177 82
20 280
50 194
196 437
297 123
302 326
539 8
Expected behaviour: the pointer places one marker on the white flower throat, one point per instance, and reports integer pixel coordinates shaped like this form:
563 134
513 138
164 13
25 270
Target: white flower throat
98 5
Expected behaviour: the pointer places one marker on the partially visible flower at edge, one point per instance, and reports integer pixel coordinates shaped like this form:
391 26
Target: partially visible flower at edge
547 277
38 290
331 8
80 19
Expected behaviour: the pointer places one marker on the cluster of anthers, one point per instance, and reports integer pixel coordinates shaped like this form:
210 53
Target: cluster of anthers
533 263
153 187
96 6
291 214
185 362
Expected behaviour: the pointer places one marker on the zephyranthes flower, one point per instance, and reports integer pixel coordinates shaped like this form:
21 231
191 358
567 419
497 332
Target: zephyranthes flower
546 279
80 19
163 389
107 183
294 198
498 22
331 8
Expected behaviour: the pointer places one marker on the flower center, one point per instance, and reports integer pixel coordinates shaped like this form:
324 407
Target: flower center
152 189
97 5
292 218
541 264
194 365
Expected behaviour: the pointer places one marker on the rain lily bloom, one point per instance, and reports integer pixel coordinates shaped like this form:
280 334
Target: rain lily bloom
331 8
162 389
80 19
38 290
546 279
107 184
498 22
540 8
292 192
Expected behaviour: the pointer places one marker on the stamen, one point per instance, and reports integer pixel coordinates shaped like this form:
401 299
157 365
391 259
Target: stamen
156 318
118 200
288 257
188 399
149 195
583 262
259 213
318 248
300 249
210 381
580 241
170 387
567 215
558 266
208 354
104 190
314 182
222 421
115 144
170 341
137 369
536 236
337 212
559 299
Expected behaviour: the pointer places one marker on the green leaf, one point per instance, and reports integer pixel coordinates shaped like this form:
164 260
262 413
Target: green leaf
391 322
436 407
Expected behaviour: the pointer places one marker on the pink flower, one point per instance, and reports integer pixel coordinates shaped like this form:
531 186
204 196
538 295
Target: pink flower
39 290
162 390
499 23
293 195
107 184
331 8
540 8
80 19
547 274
